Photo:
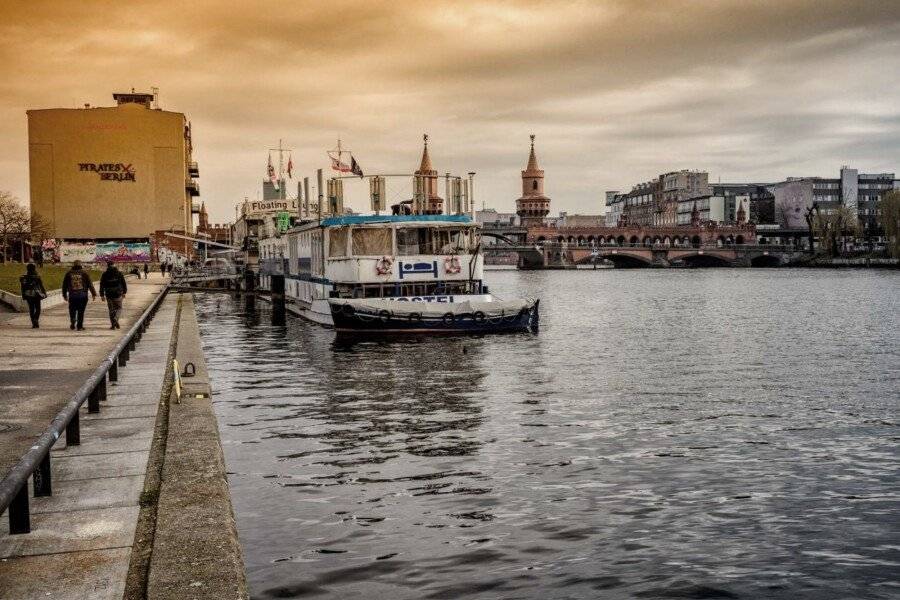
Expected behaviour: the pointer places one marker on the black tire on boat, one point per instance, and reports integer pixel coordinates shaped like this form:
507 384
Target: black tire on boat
478 316
348 310
416 317
336 308
448 318
384 315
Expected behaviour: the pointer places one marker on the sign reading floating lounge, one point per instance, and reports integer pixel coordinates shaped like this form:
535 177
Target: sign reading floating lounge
110 171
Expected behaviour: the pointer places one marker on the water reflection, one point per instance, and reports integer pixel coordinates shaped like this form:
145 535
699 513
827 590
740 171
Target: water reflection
665 435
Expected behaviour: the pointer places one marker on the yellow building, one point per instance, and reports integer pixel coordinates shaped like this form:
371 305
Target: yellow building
119 172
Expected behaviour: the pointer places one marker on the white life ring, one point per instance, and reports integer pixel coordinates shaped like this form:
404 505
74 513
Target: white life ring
384 265
451 265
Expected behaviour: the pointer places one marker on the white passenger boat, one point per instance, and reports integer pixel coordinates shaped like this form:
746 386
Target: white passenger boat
390 274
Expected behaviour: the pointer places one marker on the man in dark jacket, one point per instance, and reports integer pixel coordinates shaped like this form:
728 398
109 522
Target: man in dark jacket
33 292
113 288
75 288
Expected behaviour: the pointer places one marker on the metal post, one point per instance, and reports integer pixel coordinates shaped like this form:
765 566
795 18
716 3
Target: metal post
320 192
73 432
41 478
19 515
123 357
305 214
102 387
114 371
94 401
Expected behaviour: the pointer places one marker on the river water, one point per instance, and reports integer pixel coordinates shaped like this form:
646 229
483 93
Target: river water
723 433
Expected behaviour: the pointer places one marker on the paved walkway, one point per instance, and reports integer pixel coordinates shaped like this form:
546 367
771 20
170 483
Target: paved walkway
40 369
82 536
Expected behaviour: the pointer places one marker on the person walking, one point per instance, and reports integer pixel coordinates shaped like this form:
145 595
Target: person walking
33 292
113 288
75 288
146 271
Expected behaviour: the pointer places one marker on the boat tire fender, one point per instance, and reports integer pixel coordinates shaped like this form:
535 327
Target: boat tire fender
478 316
348 310
384 315
415 317
448 318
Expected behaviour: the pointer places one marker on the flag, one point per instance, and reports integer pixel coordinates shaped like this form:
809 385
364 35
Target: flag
354 167
337 165
290 167
271 171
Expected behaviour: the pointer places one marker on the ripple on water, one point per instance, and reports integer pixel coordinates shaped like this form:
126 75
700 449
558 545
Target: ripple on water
703 434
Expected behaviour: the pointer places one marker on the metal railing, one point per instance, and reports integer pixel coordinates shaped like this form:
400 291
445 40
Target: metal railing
36 462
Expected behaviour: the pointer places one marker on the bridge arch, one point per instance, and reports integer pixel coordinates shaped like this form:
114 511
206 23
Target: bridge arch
580 240
541 239
739 240
667 241
560 239
626 261
720 241
695 241
765 261
620 241
633 240
705 260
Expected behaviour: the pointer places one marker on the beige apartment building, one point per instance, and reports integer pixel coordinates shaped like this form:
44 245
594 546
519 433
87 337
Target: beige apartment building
113 173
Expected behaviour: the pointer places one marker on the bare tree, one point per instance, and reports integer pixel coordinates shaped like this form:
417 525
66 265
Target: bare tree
834 226
15 222
889 218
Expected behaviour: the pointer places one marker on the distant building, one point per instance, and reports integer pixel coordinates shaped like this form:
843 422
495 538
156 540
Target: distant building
112 173
533 206
567 220
674 188
490 216
271 193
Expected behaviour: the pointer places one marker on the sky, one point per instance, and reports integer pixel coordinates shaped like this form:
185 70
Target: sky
616 91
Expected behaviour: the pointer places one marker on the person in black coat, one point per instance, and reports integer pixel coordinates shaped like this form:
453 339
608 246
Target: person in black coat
75 288
33 292
113 288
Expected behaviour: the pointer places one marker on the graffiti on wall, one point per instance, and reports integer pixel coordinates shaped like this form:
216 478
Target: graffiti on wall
123 252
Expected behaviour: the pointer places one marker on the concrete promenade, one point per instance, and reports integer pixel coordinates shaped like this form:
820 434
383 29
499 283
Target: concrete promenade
40 369
141 508
82 536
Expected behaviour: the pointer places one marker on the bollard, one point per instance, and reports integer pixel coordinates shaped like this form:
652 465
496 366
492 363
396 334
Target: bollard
114 371
19 515
73 432
102 387
123 357
41 478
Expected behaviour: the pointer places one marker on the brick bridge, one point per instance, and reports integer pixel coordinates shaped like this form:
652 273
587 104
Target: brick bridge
567 247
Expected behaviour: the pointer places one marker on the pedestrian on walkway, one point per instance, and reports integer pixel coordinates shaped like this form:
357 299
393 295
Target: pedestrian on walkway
33 292
75 288
146 271
162 269
113 288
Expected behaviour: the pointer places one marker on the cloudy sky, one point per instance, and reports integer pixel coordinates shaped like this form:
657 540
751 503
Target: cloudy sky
616 91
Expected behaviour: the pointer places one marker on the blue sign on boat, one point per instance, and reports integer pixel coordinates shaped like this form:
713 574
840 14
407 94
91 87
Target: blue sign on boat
418 268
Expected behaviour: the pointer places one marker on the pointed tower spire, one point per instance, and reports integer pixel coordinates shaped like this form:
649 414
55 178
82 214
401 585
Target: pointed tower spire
434 204
533 206
532 159
426 159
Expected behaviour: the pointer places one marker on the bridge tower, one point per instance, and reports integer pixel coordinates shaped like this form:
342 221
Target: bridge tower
434 204
533 207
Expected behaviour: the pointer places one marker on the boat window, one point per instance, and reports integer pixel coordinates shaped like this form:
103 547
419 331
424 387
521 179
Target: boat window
449 241
439 240
412 241
337 241
372 241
